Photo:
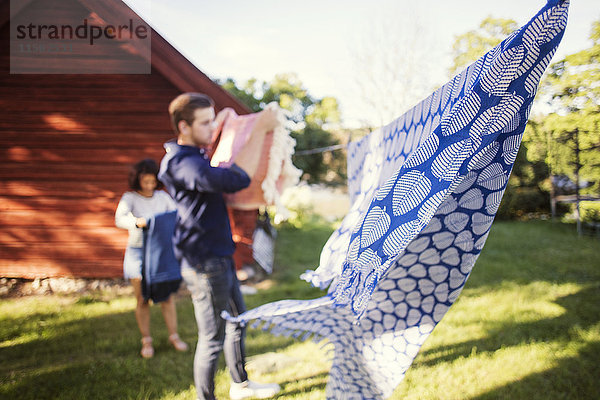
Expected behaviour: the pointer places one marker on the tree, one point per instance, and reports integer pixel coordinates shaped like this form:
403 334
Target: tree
310 121
572 133
247 93
473 44
573 81
574 84
393 63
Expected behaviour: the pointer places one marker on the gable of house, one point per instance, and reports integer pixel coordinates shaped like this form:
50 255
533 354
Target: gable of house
66 146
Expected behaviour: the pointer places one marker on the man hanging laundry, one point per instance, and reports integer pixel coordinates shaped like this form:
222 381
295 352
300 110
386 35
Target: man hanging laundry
203 242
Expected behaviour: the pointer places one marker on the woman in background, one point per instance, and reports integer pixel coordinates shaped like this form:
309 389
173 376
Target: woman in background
136 206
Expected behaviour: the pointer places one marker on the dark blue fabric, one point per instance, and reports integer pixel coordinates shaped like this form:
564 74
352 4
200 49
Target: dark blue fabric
202 230
161 273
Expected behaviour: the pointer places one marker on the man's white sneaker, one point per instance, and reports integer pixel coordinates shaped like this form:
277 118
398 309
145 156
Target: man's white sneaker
248 389
245 289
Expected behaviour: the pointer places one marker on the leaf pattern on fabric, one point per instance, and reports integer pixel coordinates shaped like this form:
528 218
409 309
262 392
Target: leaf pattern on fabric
484 157
410 190
493 177
461 114
464 241
503 71
427 150
531 83
492 202
447 163
511 149
494 119
397 239
513 124
481 223
472 200
407 279
376 224
466 182
429 208
443 240
457 221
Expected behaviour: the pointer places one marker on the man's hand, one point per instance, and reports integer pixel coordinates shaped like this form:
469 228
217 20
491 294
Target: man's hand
249 156
141 222
267 119
223 115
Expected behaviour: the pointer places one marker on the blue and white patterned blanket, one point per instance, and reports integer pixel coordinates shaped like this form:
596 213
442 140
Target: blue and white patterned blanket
425 190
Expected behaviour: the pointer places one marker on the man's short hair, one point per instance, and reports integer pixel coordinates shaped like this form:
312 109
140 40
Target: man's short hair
182 108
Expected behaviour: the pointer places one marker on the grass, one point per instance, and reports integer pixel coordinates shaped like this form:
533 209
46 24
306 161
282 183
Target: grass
527 326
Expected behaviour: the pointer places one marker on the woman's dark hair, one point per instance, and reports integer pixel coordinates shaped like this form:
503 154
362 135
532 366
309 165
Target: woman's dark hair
147 166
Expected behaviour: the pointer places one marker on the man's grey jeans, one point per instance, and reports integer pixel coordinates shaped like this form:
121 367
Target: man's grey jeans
214 287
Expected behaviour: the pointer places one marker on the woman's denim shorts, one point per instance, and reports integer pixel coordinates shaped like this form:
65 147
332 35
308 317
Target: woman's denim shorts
132 263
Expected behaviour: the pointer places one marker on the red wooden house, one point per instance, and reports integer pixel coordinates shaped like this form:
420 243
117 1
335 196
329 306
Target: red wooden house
67 143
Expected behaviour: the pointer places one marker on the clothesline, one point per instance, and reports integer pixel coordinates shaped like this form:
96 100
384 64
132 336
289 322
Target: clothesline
320 150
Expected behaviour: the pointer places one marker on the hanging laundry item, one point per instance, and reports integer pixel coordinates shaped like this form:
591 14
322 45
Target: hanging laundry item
263 242
275 170
425 190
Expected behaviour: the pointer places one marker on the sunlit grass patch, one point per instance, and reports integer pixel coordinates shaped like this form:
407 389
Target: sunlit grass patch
489 341
526 326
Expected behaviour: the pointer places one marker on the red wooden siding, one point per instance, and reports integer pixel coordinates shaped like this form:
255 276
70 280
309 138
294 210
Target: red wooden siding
66 145
65 152
243 223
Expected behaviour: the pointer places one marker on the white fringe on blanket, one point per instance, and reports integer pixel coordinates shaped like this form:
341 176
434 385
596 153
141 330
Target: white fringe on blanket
273 176
281 172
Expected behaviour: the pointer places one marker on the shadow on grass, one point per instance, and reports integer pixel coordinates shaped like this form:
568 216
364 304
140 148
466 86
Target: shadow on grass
319 385
522 252
259 342
568 380
572 378
64 354
91 358
102 379
98 357
581 310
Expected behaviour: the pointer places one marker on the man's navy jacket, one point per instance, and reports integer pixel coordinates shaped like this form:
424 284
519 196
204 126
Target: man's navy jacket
202 230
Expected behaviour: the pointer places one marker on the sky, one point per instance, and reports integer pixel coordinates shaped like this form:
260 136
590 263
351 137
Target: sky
326 42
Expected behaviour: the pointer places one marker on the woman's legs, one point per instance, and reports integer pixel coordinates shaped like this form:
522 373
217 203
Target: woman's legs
170 315
142 316
142 309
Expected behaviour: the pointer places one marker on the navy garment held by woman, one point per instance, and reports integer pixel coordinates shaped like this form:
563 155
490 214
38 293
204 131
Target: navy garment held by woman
161 273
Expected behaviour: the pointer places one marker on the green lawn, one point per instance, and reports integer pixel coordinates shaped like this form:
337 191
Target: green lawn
527 326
